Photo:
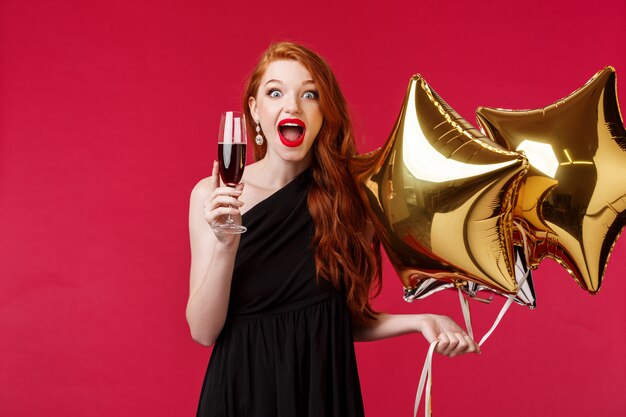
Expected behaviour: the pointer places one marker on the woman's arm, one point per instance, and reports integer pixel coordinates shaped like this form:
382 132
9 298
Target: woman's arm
212 257
453 340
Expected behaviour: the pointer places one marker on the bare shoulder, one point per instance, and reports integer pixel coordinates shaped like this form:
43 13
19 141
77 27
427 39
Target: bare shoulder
202 189
199 195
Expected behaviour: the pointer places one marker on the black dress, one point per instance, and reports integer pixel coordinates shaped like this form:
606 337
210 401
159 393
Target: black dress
286 349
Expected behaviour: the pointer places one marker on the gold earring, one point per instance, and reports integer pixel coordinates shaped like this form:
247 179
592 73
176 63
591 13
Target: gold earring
259 138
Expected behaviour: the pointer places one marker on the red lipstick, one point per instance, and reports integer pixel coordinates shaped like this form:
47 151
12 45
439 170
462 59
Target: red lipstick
291 132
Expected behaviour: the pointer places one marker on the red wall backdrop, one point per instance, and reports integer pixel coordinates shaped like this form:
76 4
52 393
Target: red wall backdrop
108 117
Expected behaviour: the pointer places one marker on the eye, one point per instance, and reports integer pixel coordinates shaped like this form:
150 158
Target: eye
311 95
274 93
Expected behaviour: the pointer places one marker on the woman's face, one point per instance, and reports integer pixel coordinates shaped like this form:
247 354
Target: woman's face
287 107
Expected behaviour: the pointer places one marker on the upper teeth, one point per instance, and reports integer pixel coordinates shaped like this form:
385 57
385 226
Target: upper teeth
291 124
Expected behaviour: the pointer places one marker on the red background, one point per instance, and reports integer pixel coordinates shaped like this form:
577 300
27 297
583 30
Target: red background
108 117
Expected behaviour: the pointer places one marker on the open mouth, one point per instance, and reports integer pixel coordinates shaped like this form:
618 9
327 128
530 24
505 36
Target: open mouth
291 132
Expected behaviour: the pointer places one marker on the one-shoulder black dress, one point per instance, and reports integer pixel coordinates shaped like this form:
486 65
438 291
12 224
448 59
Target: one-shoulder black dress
286 349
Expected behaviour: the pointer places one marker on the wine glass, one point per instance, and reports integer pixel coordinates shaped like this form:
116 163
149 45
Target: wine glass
231 152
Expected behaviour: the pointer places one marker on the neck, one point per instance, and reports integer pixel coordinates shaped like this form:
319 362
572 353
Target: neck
276 173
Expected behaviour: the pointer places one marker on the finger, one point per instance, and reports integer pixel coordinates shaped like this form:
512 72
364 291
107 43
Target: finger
461 346
468 343
444 343
239 187
226 191
215 216
472 345
454 344
223 200
222 196
215 175
220 193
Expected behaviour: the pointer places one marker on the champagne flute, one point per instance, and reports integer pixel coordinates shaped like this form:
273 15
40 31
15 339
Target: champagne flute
231 152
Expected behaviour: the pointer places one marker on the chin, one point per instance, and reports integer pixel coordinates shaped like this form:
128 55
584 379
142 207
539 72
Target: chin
296 156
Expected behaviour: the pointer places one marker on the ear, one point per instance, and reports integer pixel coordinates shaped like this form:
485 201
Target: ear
252 106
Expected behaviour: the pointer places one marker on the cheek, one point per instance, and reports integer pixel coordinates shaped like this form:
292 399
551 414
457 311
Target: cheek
319 120
265 115
266 127
314 133
263 108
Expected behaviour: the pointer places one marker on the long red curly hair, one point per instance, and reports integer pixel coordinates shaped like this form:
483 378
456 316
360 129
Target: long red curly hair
345 254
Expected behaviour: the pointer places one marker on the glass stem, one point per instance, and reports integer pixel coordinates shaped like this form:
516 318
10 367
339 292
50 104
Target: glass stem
229 220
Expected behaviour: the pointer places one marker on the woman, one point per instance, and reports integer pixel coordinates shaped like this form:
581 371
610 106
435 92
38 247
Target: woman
284 302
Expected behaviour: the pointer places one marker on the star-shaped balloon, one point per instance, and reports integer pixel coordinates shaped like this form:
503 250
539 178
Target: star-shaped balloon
441 197
572 204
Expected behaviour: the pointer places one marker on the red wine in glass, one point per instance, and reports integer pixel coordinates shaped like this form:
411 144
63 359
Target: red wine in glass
232 159
231 150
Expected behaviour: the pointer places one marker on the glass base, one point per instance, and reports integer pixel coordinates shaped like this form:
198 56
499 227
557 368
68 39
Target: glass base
229 228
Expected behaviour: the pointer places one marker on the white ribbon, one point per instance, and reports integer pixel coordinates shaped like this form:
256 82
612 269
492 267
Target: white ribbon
426 377
466 314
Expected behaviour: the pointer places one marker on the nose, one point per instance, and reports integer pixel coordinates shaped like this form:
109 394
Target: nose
292 104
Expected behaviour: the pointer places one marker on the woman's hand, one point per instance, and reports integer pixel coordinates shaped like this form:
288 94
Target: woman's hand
220 203
453 340
212 256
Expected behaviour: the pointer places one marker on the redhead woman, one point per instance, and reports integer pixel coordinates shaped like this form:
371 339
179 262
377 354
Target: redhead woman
283 303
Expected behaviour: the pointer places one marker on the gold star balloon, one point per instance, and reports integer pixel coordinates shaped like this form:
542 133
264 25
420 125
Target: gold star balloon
572 204
441 197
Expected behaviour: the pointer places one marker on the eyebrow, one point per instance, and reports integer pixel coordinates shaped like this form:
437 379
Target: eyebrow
280 82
